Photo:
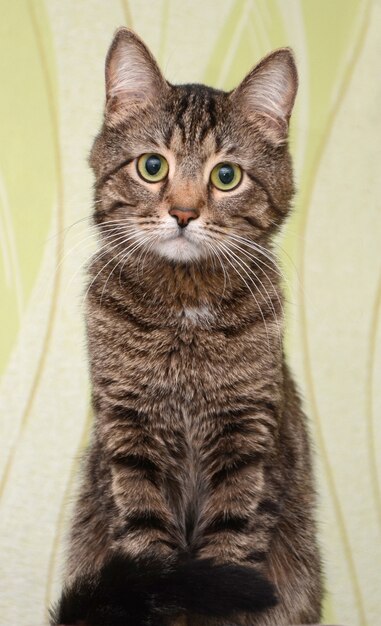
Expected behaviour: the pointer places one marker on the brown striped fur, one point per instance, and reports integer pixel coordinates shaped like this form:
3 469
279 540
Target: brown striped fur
199 445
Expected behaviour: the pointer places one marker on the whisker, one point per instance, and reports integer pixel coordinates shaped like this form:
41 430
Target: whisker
265 251
118 238
155 238
258 248
269 299
103 252
215 250
85 243
125 257
88 217
227 256
66 229
256 261
129 251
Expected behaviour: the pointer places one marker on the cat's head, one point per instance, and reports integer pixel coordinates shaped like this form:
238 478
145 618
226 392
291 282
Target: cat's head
188 171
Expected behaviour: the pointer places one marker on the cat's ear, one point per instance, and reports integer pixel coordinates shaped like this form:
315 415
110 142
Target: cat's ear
270 89
133 77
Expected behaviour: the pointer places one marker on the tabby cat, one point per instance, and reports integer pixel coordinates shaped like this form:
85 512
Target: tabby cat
197 500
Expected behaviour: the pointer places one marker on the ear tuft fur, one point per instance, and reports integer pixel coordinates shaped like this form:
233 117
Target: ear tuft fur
133 77
270 90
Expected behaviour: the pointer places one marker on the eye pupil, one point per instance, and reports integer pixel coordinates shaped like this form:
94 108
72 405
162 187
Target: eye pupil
226 174
153 165
152 168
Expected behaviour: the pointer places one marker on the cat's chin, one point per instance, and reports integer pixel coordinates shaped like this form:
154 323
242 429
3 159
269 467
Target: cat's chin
179 249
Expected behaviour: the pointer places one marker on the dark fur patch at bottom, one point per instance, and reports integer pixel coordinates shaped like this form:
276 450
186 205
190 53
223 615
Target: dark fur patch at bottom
149 591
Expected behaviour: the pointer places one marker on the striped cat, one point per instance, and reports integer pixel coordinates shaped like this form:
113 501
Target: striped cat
197 500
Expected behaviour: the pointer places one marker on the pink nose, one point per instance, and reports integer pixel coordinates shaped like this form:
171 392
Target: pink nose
183 216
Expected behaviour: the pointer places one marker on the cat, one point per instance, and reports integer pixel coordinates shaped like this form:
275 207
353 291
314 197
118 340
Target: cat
197 500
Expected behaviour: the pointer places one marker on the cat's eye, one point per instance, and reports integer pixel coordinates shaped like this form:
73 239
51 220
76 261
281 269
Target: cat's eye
226 176
152 167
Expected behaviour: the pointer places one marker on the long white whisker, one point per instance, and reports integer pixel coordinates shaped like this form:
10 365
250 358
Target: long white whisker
254 246
268 254
215 251
130 249
111 242
126 256
248 287
265 251
66 229
88 241
248 274
258 248
96 227
85 243
103 252
155 238
256 261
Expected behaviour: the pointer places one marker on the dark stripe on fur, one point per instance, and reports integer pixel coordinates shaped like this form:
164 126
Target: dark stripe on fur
235 330
103 179
232 467
270 200
257 556
150 591
270 507
119 411
123 312
183 105
225 522
147 520
210 124
253 221
138 462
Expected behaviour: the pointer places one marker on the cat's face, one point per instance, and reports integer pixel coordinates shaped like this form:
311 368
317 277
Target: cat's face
188 171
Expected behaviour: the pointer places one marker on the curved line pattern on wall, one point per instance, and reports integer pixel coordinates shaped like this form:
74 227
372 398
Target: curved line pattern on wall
245 31
59 248
69 492
310 384
370 417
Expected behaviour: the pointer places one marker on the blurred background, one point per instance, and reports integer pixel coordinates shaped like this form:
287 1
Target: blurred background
51 75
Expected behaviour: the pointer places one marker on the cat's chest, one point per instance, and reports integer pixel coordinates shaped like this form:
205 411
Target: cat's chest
191 357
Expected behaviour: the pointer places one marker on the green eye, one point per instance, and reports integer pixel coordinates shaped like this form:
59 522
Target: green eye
226 176
152 167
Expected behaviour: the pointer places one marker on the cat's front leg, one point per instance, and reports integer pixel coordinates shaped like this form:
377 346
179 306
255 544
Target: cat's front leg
239 461
141 532
139 460
247 519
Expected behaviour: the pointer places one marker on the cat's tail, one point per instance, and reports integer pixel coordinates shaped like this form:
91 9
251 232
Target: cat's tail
149 592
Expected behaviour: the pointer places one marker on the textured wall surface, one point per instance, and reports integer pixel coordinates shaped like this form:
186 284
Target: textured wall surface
51 76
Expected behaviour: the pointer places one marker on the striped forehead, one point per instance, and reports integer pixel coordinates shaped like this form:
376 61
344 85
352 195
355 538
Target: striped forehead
194 117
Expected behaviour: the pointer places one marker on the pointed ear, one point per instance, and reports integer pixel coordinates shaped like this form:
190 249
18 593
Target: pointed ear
133 77
270 89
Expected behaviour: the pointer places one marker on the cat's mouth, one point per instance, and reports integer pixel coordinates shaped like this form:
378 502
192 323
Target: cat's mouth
181 235
180 246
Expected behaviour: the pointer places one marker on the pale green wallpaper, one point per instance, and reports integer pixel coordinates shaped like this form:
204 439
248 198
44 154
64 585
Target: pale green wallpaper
51 76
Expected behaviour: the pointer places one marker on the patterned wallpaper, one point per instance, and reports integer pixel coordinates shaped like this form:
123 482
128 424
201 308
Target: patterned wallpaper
51 72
